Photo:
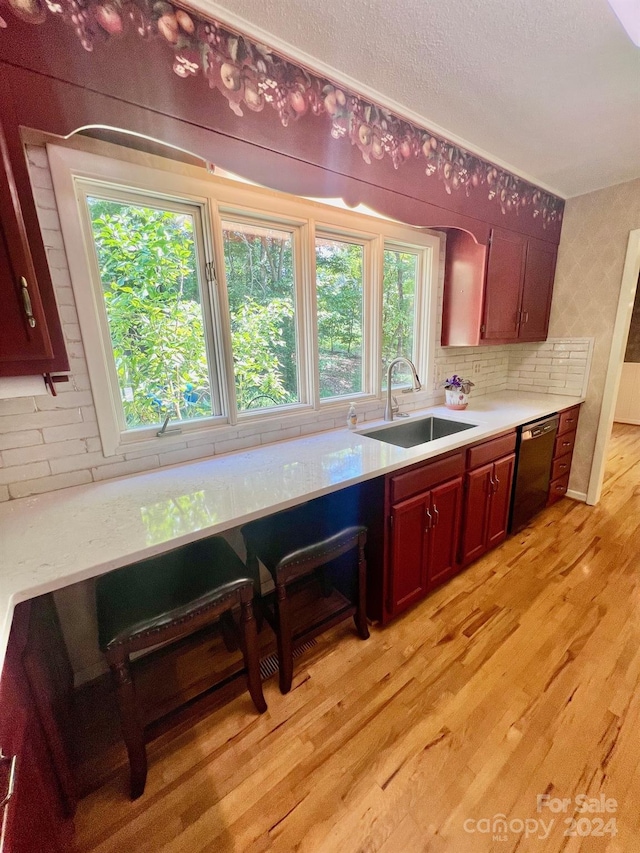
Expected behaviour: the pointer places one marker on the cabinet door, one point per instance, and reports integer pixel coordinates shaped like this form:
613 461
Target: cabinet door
17 335
31 340
22 336
502 476
505 271
446 504
34 819
409 532
537 288
13 726
476 509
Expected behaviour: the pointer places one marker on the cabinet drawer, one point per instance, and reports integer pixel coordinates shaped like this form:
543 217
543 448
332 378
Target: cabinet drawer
564 444
558 489
426 476
568 420
491 450
561 466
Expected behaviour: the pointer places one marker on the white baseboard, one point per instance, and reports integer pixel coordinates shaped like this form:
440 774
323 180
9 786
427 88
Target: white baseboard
577 496
632 421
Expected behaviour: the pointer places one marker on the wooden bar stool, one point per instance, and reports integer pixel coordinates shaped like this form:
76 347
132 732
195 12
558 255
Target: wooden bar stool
292 545
166 598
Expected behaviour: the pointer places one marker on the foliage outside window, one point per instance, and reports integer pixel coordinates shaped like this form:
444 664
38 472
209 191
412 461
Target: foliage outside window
400 273
148 271
339 289
261 290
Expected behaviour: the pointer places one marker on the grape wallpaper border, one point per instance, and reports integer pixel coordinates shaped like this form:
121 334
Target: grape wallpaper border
252 76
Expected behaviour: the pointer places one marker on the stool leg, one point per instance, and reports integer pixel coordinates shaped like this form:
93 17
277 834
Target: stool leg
132 729
258 610
228 631
285 647
251 658
360 617
254 569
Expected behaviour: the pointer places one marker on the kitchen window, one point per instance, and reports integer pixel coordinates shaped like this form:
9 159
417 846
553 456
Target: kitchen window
214 303
259 267
148 269
340 300
401 311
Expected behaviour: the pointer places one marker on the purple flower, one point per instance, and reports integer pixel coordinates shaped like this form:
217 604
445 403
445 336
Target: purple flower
457 383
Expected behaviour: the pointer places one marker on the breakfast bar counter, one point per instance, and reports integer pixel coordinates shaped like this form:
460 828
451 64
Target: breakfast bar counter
57 539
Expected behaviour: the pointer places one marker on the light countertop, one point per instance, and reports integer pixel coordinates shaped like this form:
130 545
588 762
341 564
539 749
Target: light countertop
54 540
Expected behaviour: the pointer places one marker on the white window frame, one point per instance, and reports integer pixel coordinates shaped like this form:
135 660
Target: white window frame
425 306
220 199
369 242
298 230
210 315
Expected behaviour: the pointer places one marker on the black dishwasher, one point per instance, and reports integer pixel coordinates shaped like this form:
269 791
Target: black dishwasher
533 470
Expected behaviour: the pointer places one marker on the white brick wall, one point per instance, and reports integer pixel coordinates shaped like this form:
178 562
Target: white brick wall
49 443
556 366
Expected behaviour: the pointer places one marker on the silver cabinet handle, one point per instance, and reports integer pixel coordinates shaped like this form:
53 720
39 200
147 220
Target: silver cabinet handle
496 485
26 302
430 519
437 516
12 778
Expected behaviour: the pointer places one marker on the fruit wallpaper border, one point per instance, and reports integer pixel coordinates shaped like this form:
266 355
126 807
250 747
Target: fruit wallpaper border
251 76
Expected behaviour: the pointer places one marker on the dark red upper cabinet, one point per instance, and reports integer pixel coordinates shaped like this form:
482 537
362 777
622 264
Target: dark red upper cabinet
19 339
503 290
31 339
537 289
497 294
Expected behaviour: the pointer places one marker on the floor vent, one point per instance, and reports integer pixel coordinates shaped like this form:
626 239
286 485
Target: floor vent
269 665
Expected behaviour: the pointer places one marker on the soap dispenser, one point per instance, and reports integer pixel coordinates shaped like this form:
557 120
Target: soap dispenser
352 417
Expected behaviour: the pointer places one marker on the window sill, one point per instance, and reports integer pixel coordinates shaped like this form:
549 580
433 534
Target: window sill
261 428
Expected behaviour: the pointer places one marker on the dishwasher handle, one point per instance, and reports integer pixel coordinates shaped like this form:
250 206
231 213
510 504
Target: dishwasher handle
539 429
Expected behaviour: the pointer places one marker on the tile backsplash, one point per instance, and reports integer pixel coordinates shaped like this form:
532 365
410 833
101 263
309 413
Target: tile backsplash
49 443
556 366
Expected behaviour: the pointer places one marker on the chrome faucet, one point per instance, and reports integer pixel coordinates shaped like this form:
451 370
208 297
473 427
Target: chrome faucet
389 408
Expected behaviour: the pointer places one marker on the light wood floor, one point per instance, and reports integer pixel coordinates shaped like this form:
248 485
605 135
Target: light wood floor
518 678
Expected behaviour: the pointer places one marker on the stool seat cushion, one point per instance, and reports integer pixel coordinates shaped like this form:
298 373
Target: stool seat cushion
296 536
154 593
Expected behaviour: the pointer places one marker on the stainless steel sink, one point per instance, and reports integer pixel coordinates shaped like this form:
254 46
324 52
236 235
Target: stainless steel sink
412 433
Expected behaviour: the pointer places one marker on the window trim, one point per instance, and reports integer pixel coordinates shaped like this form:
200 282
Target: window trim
218 199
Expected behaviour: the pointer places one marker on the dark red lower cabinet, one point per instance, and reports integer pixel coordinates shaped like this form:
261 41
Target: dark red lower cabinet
500 500
424 536
486 507
409 533
35 816
446 509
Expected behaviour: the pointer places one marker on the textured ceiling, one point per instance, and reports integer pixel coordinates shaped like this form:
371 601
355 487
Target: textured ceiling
548 88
